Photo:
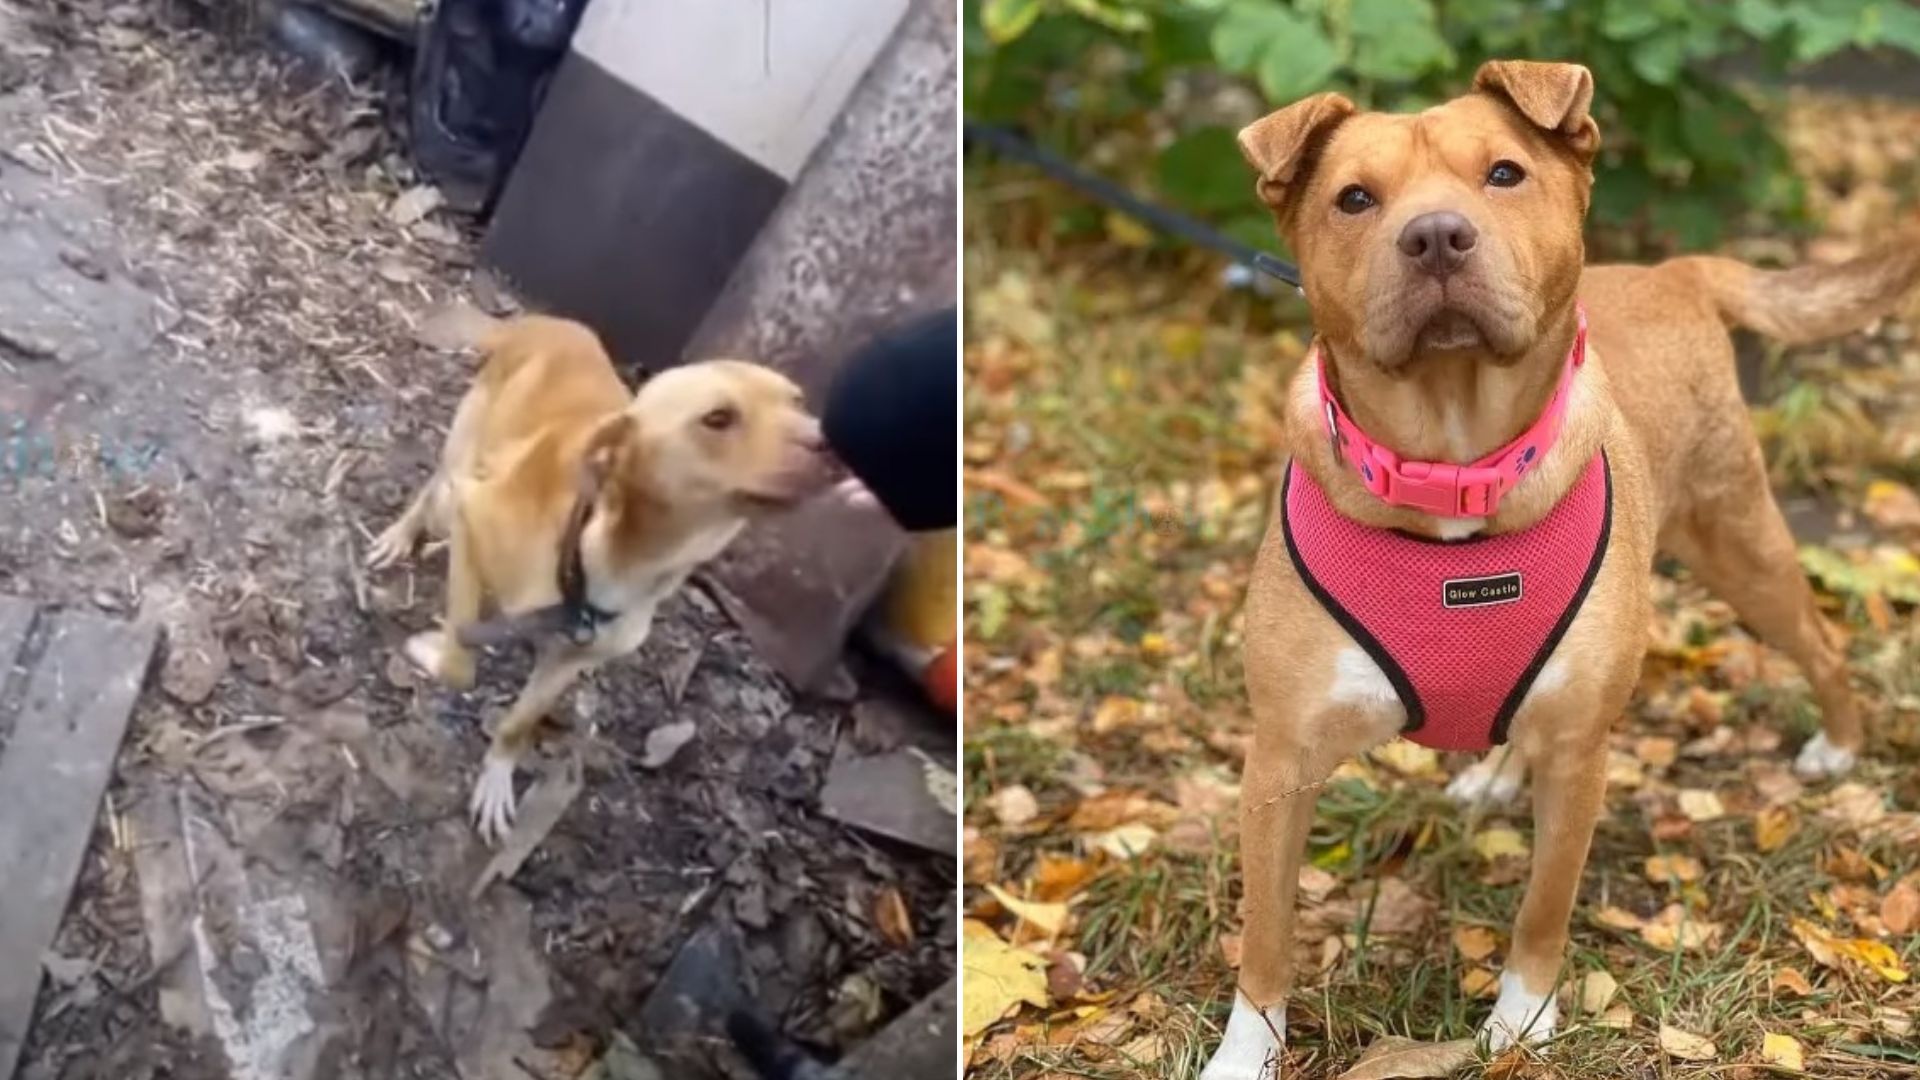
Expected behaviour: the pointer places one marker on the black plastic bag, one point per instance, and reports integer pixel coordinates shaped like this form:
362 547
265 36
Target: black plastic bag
478 76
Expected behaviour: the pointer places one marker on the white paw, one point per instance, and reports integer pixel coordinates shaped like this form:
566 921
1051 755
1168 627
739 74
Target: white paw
1484 782
1820 759
391 546
492 803
1249 1051
1519 1016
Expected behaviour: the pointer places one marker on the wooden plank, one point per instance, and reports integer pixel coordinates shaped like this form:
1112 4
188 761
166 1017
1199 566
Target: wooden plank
55 767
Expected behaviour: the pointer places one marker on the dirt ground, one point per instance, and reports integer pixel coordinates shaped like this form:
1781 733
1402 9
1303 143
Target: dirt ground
211 395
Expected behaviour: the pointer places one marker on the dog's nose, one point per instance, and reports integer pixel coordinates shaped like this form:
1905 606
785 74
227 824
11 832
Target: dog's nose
1439 242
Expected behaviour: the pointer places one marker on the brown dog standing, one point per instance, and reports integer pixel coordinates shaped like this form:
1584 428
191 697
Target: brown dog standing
556 480
1444 264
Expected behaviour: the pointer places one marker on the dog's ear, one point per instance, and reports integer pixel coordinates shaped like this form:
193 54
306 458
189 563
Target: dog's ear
609 449
1553 97
1281 144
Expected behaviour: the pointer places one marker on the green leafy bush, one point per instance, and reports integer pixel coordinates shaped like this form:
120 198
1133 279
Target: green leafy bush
1684 152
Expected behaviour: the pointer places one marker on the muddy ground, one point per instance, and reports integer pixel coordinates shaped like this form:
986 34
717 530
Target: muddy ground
211 395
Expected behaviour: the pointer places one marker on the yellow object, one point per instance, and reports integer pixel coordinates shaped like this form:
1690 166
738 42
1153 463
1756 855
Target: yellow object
920 608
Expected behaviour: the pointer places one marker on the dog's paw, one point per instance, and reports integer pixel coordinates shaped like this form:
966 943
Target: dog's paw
1519 1016
492 802
438 655
391 546
1484 782
1249 1051
1820 759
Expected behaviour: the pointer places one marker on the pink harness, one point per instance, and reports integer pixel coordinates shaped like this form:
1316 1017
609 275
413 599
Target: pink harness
1461 628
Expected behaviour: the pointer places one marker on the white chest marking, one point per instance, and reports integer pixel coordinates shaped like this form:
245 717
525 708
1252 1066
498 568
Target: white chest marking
1358 681
1458 528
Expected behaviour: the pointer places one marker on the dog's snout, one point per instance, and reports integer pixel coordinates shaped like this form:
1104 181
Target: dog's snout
1438 242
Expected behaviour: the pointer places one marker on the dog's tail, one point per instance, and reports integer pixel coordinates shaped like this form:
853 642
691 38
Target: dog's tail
1809 303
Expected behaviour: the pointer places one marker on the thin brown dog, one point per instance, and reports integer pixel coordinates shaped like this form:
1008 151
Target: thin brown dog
1447 359
553 472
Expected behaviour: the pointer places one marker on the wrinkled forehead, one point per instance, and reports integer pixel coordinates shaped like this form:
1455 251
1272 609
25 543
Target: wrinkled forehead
1464 135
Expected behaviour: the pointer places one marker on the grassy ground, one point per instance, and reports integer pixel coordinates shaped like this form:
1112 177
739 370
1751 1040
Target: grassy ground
1121 441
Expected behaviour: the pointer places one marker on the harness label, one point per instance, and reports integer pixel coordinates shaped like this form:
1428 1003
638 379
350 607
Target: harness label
1480 591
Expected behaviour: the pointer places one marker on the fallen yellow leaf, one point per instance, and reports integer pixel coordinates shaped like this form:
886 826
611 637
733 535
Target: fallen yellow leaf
1701 805
1663 869
1596 992
1784 1051
1047 918
1494 843
1773 827
1656 750
998 977
1475 943
1407 758
1685 1045
1394 1058
1832 951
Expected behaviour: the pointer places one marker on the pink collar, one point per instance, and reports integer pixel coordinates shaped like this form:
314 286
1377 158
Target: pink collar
1440 488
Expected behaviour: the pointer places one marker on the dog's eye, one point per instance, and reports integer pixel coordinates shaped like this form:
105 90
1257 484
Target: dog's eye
1505 174
722 418
1354 199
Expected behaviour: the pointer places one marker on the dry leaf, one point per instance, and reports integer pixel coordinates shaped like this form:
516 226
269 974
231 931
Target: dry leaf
1145 1049
1784 1051
1407 758
1115 713
1479 983
1399 909
1900 909
1059 877
1657 751
1662 869
1892 506
1049 919
1013 805
1618 1017
1475 943
1394 1058
1677 928
998 977
1773 827
1126 841
1617 918
1494 843
1316 884
1790 981
1855 804
890 915
1701 805
1685 1045
1596 992
1230 950
1832 951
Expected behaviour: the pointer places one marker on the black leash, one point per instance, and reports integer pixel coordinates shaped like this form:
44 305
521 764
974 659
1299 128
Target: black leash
1010 145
